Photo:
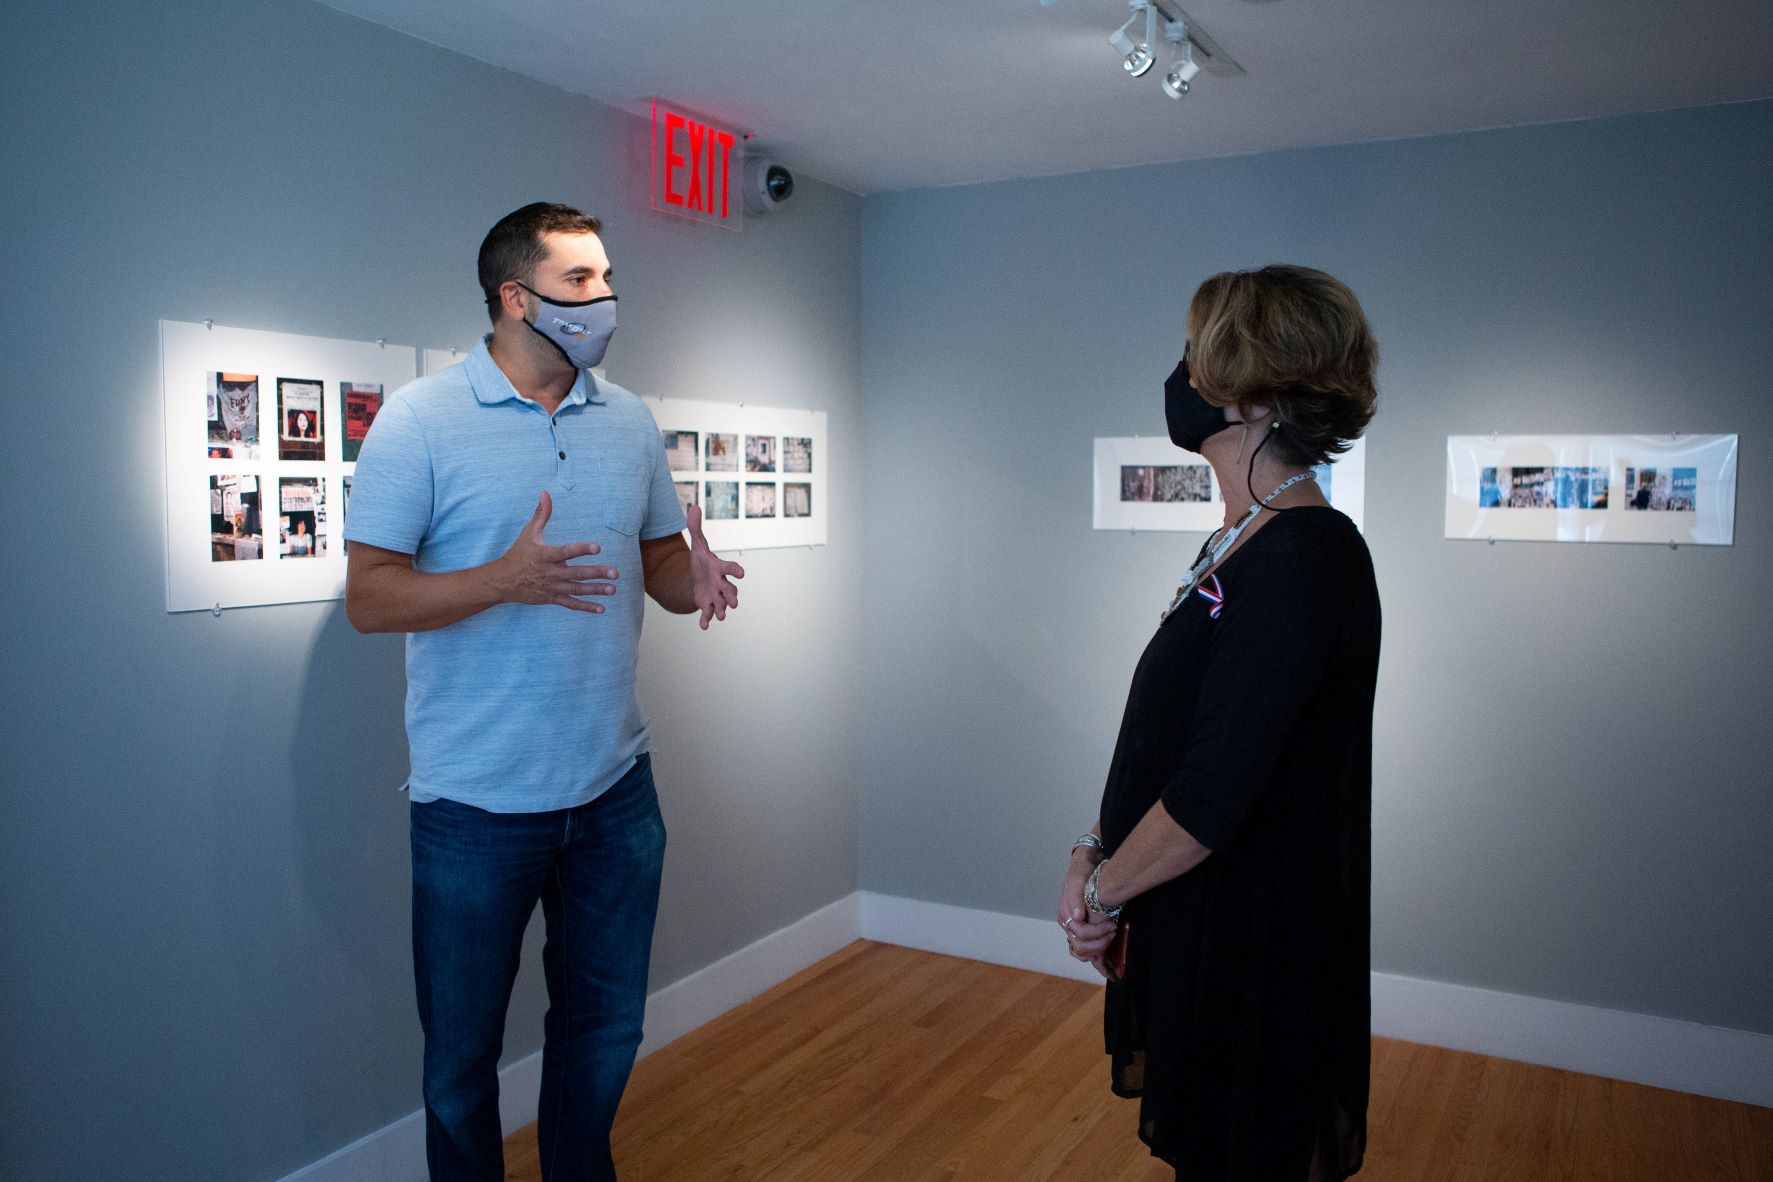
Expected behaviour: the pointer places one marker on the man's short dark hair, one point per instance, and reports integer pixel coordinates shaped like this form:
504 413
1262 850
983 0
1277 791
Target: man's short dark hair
513 249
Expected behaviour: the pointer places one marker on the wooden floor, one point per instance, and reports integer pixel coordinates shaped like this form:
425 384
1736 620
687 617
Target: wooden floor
891 1065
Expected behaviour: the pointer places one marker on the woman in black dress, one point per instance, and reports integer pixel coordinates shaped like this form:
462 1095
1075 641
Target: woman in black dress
1224 889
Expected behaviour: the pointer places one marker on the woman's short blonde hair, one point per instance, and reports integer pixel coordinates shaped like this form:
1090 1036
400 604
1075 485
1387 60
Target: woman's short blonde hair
1292 339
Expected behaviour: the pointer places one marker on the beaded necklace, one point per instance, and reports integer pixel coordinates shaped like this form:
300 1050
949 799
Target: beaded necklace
1217 545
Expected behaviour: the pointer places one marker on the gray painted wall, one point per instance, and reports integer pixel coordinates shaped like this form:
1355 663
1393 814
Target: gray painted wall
1572 791
203 860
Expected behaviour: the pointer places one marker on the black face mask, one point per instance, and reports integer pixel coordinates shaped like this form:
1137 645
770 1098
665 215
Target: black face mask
1192 420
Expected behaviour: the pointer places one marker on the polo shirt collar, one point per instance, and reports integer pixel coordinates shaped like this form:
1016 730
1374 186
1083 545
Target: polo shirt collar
492 387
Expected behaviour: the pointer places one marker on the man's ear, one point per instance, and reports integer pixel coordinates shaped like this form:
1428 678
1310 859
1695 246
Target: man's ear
512 298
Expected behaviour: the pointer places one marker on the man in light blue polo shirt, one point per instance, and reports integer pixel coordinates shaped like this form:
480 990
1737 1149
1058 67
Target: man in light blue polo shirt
531 777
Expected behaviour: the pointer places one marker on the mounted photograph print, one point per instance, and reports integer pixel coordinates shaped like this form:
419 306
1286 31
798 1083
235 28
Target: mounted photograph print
1146 482
1658 489
300 435
359 404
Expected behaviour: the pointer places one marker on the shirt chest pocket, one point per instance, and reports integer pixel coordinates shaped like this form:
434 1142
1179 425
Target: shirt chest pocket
621 490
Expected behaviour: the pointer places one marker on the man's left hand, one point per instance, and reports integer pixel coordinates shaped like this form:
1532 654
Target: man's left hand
710 576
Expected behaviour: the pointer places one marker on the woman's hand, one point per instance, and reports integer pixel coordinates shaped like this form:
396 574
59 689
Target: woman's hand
1084 939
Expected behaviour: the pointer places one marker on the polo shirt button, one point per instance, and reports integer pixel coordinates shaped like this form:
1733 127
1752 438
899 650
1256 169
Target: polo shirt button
563 455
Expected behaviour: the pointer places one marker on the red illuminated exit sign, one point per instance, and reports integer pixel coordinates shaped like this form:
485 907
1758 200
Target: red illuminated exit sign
698 168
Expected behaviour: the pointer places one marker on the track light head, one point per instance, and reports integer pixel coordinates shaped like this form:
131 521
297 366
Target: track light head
1136 56
1182 71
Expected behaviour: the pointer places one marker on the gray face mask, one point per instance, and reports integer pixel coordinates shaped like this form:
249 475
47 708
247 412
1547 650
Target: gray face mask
581 331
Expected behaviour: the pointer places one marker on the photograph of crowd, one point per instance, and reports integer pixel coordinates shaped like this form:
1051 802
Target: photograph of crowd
723 452
760 499
1543 488
235 532
760 455
722 500
797 454
360 403
1662 490
299 431
233 405
1166 484
797 500
680 450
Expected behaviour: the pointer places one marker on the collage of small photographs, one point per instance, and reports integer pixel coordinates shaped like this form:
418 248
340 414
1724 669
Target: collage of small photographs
1181 484
730 483
249 474
1655 490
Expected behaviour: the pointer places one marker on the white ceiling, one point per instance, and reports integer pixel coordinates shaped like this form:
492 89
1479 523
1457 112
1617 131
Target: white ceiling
876 95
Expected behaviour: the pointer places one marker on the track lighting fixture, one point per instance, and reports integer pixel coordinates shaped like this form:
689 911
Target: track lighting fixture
1191 51
1137 57
1183 67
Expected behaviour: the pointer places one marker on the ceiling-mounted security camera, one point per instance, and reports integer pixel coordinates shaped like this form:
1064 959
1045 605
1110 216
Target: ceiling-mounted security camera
767 185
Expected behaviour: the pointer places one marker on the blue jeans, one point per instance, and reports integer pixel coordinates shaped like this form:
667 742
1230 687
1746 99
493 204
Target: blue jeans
476 877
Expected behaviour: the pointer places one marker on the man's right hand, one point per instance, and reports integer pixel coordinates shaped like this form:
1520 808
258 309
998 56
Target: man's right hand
532 571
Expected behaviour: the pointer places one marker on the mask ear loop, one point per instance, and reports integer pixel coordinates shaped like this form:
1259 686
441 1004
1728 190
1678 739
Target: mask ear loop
1250 472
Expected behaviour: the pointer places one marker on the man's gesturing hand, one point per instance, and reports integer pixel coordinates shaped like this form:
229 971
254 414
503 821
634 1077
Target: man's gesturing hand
532 571
710 577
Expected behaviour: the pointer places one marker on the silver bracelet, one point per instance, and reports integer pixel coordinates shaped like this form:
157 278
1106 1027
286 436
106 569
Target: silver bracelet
1091 840
1094 901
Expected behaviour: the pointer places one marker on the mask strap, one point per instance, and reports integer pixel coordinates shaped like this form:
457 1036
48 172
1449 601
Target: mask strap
1250 472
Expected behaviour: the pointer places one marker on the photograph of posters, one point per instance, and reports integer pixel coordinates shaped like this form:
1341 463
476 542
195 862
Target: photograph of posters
722 501
739 512
1665 489
680 450
345 514
359 404
235 533
232 400
1148 483
686 493
244 525
299 434
723 452
302 527
760 499
760 453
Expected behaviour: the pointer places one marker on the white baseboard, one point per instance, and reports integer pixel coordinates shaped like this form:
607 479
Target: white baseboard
396 1152
1640 1048
706 994
1662 1052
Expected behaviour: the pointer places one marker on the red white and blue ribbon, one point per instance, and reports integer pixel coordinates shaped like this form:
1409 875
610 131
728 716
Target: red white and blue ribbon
1214 594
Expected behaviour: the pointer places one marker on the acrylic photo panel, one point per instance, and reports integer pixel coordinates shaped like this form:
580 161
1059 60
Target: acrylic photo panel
1148 483
754 444
225 539
1657 489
